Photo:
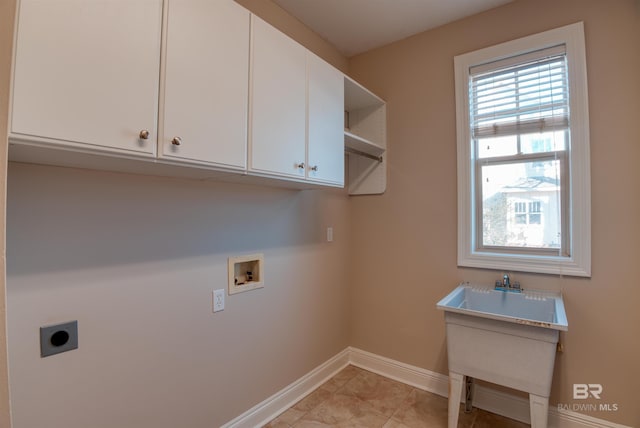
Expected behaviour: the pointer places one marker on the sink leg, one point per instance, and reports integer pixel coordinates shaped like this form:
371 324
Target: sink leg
539 410
456 382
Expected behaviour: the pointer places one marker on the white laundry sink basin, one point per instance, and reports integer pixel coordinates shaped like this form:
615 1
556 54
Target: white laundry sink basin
541 309
503 337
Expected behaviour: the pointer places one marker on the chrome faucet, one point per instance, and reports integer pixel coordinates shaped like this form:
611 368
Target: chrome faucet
507 285
506 282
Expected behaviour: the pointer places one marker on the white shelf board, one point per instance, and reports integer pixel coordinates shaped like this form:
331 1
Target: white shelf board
356 142
357 96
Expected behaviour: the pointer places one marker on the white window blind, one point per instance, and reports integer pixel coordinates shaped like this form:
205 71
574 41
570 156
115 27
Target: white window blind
521 94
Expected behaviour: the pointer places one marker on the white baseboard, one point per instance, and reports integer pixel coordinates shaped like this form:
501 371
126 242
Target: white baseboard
267 410
569 419
500 403
405 373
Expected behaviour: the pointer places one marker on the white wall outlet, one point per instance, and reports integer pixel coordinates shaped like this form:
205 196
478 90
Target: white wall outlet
329 234
218 300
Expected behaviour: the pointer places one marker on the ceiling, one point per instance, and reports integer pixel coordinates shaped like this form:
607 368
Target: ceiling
356 26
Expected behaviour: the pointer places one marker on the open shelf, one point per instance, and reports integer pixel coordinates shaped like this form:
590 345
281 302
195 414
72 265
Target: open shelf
357 97
366 134
356 142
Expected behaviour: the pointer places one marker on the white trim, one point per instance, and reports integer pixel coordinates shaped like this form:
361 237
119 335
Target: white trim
269 409
579 263
504 404
501 403
411 375
569 419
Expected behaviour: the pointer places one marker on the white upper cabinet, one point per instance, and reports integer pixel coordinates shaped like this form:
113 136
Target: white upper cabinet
86 74
278 97
198 88
206 83
297 116
325 150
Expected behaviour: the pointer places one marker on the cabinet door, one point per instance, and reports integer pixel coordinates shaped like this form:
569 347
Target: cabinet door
86 73
278 122
325 150
206 82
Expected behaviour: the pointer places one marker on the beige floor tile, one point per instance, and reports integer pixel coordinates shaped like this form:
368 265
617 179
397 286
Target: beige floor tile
337 409
286 419
342 411
367 420
346 374
310 424
383 394
424 409
356 398
333 385
276 424
312 400
392 423
490 420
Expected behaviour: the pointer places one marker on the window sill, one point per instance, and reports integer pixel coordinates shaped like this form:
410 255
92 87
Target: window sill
523 263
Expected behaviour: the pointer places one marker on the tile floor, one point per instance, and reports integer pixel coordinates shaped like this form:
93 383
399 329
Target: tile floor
359 398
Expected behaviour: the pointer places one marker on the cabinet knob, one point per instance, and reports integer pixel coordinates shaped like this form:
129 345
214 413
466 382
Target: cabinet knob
176 141
144 134
314 168
300 165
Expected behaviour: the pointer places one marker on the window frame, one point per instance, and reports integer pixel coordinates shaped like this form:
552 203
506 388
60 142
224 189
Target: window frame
577 198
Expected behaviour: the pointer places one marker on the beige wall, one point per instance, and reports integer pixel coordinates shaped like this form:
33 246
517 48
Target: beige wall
7 10
134 259
405 240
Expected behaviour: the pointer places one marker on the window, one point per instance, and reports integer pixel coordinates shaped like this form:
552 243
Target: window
523 155
534 214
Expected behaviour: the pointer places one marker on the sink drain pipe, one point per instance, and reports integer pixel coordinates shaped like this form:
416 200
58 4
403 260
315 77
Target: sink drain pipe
468 394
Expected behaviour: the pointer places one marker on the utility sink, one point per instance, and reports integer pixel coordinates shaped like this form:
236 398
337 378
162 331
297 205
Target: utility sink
541 309
504 337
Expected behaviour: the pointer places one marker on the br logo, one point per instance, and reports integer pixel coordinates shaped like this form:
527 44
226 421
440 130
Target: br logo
582 391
